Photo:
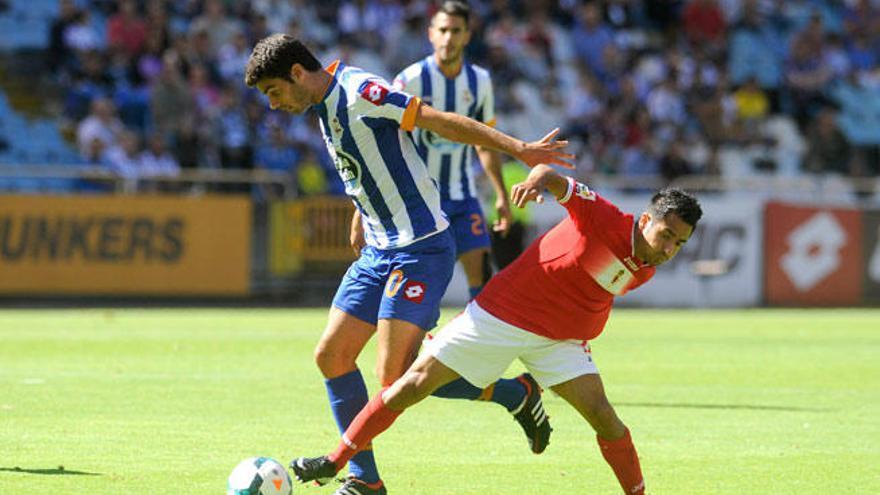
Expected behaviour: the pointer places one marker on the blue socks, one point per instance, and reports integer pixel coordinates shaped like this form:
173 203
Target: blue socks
458 389
508 392
348 395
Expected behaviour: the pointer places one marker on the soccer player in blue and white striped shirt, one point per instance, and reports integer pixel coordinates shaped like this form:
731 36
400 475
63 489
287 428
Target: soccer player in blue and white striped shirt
394 288
447 81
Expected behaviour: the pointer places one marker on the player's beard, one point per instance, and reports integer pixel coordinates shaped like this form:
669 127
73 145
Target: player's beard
452 58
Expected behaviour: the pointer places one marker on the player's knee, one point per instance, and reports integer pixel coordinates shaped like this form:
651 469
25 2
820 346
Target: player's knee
411 388
604 419
387 376
333 362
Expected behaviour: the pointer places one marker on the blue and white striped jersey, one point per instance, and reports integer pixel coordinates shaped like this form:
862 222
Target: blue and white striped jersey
365 123
468 94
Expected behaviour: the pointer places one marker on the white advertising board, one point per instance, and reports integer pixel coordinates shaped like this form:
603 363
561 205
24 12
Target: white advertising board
731 231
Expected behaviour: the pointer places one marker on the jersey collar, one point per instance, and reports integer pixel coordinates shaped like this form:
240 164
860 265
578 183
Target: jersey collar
331 69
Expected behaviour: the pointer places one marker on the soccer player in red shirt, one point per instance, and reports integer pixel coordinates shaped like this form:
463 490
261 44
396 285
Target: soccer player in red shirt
544 308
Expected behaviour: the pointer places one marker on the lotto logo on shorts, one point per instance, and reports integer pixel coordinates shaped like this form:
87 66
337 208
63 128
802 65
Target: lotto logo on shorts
374 92
414 291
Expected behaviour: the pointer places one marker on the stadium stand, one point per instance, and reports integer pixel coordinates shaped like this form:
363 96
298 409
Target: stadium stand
705 88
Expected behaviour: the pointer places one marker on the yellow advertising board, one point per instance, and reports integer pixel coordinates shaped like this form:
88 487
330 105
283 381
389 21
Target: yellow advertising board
125 245
311 231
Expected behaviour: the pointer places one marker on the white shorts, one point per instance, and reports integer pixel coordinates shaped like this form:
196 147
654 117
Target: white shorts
480 347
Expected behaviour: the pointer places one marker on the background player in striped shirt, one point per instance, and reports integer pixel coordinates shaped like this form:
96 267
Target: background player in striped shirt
544 308
395 286
446 81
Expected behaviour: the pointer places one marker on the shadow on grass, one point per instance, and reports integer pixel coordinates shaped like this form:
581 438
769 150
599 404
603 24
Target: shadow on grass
749 407
49 471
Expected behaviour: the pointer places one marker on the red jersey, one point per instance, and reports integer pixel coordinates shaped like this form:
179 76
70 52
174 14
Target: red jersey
563 285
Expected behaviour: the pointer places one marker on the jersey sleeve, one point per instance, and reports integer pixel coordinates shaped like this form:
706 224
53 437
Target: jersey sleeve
486 108
376 98
586 207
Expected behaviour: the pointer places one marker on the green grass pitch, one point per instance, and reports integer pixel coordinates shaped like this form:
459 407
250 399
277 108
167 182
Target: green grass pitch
168 401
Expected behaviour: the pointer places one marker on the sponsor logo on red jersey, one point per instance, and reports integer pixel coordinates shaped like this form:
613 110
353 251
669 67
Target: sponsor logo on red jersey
374 92
414 291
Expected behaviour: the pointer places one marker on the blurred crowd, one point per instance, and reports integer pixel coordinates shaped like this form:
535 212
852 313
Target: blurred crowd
641 87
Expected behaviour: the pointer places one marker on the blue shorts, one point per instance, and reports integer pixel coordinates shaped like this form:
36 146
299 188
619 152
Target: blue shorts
468 224
405 283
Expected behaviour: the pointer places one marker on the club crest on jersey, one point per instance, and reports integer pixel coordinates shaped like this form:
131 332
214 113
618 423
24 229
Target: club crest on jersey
583 191
468 97
374 92
414 291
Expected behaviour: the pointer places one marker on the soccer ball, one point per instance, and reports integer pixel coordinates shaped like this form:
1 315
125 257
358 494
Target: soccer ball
259 476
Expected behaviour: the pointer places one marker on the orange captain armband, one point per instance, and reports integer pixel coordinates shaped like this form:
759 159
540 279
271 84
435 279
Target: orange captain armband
408 121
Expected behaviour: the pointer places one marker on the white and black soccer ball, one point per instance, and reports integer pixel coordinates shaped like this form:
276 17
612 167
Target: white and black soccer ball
259 476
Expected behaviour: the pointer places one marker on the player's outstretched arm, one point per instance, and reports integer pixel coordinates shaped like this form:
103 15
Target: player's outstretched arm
462 129
540 178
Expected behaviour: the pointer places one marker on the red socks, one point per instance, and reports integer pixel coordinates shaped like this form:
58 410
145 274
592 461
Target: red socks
621 456
373 419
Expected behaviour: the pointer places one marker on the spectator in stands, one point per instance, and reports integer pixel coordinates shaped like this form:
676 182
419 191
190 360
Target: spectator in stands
60 55
407 41
591 36
126 30
123 158
665 103
102 124
234 133
157 160
828 150
752 104
756 51
674 162
82 35
704 24
170 98
218 27
278 155
807 76
232 59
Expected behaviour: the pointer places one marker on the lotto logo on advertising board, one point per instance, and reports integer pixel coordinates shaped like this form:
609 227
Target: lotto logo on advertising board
871 246
813 255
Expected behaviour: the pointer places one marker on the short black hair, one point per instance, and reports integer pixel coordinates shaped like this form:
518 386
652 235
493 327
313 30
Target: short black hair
674 200
274 55
456 8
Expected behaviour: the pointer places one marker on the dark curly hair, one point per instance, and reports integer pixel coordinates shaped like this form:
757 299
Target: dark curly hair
274 55
673 200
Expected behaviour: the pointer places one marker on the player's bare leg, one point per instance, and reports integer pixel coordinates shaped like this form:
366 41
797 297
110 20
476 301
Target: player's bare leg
586 394
426 375
336 354
343 340
398 343
476 268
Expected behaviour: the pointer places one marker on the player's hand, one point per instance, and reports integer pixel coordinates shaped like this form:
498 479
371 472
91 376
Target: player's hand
356 238
528 190
546 150
504 218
